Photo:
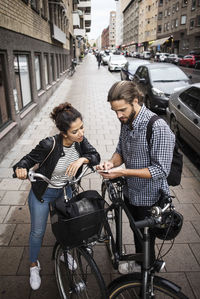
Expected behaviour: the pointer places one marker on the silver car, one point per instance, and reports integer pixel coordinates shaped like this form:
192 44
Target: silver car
183 115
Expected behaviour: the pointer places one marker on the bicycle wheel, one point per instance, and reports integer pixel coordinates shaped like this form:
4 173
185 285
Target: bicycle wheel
83 280
111 220
129 287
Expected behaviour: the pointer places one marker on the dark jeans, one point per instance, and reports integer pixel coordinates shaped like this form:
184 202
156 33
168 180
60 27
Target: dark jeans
139 213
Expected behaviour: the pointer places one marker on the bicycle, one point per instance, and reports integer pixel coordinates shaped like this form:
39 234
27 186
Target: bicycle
144 284
77 275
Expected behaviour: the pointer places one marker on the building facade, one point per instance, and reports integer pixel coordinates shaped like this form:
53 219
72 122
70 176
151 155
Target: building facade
180 20
37 43
112 30
105 38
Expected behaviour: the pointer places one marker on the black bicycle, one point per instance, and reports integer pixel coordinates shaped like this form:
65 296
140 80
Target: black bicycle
72 68
167 224
76 272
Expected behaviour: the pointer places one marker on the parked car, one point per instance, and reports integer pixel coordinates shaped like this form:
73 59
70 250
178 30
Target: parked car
146 55
116 62
189 60
136 54
158 81
127 72
174 58
183 114
163 57
105 57
197 64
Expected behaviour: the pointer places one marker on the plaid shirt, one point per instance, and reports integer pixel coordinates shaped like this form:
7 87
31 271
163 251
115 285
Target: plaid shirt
136 154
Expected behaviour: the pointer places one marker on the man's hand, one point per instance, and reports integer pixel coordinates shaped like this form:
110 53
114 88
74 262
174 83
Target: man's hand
112 173
105 166
73 167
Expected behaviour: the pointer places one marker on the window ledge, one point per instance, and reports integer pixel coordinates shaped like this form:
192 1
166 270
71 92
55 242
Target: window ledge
54 82
23 114
7 129
41 92
48 87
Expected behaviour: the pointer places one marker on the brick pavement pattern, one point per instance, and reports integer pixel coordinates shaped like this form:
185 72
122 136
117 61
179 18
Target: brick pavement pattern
87 91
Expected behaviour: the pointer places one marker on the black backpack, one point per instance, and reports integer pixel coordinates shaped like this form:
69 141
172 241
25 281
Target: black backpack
174 177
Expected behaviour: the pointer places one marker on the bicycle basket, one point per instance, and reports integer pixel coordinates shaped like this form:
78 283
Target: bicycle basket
79 220
172 222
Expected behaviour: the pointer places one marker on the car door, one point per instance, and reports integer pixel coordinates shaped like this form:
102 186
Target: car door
142 79
188 117
124 72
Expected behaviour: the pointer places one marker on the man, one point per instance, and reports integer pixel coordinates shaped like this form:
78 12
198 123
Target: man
146 166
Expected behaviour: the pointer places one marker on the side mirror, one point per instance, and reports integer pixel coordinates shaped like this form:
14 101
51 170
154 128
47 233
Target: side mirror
190 77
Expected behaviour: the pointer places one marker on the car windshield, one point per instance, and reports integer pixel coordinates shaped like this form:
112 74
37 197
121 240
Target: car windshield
167 74
118 57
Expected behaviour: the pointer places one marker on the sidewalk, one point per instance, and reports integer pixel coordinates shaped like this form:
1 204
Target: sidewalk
87 91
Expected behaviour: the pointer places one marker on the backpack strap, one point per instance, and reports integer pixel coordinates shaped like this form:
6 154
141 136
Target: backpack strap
149 127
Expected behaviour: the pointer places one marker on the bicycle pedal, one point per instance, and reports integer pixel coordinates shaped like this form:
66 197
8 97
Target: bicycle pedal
103 239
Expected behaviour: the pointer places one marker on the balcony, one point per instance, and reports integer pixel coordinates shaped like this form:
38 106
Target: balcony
84 4
79 32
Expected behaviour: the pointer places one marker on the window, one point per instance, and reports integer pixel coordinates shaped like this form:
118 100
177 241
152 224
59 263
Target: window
192 23
38 71
35 5
184 3
198 21
176 23
52 67
22 79
177 6
160 14
160 2
191 98
4 105
46 69
159 28
57 64
193 5
183 20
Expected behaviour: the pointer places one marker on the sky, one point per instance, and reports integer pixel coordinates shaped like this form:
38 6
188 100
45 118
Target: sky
100 13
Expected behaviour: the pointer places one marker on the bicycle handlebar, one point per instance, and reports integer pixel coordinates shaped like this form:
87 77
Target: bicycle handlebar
32 175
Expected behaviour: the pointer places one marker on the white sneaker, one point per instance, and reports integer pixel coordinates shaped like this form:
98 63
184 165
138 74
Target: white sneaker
129 267
71 262
35 280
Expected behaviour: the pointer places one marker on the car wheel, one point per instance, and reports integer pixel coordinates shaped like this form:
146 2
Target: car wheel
174 126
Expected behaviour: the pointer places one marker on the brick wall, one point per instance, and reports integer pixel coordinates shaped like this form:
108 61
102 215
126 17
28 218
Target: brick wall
17 16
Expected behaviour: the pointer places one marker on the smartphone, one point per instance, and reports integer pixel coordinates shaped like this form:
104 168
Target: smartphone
104 171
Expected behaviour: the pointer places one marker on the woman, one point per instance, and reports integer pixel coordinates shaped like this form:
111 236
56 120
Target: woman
59 156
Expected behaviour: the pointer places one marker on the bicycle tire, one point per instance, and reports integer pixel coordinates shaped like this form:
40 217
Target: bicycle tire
85 281
129 286
111 222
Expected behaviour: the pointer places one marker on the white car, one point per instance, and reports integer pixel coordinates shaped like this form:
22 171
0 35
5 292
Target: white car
163 57
116 62
105 58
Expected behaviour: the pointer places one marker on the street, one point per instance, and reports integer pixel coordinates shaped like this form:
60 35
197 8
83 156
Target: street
87 91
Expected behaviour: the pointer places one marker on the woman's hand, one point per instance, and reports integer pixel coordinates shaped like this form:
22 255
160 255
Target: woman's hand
21 173
73 167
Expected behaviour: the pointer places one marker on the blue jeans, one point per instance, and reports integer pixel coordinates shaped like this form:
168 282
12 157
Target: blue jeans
39 212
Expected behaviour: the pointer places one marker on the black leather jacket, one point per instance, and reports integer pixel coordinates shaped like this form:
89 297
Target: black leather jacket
40 152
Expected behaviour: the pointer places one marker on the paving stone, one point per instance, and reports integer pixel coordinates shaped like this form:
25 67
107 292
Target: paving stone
6 172
49 239
14 287
21 234
181 258
10 258
190 183
187 196
25 186
18 214
47 290
196 250
197 206
181 280
194 278
3 212
15 198
10 184
188 211
2 193
187 234
196 225
6 232
102 259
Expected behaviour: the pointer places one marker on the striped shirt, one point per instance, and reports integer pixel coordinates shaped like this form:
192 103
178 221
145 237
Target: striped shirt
137 154
71 155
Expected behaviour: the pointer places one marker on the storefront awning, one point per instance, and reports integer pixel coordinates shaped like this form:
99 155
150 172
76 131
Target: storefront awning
159 41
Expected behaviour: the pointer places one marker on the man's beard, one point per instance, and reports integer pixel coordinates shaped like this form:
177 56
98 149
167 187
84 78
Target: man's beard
130 119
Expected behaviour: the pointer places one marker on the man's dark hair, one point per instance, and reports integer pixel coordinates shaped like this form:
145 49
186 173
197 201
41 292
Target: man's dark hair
126 90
